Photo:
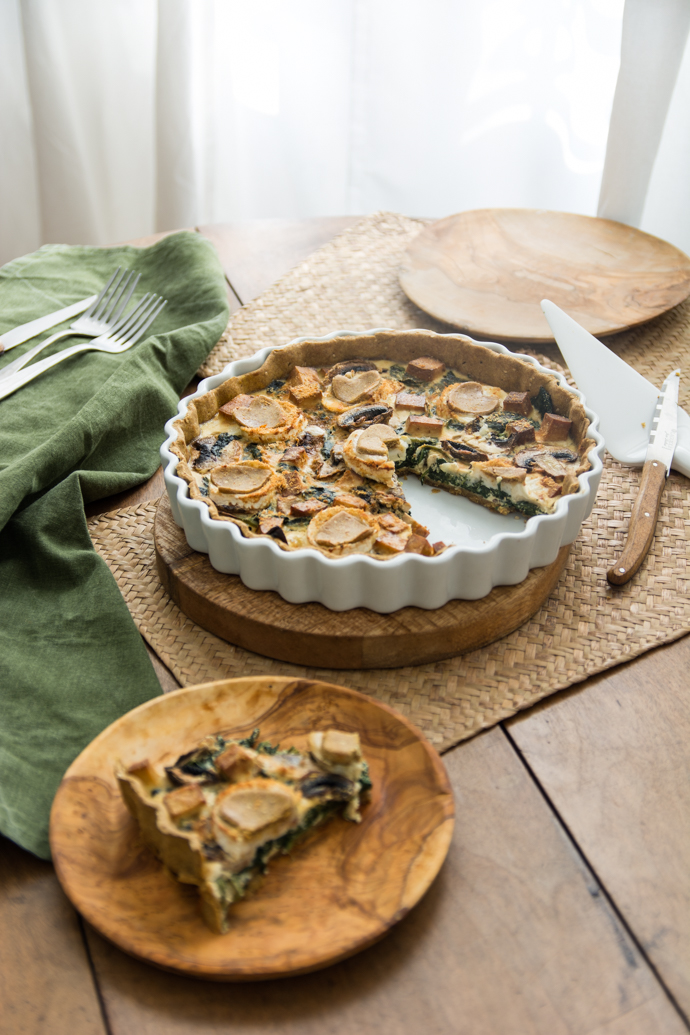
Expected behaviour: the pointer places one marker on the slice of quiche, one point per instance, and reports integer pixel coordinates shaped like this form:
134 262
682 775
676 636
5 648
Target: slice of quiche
218 815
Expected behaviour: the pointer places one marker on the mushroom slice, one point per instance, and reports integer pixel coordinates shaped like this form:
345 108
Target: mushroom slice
550 465
363 416
350 388
372 446
253 806
376 439
471 397
377 462
241 478
553 463
341 529
500 467
255 411
460 451
349 365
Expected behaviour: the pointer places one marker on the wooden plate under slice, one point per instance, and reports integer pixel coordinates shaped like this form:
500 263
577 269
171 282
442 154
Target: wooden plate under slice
487 270
312 635
341 889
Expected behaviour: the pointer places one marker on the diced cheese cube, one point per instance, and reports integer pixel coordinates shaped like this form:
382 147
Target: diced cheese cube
554 428
518 402
426 426
425 368
408 401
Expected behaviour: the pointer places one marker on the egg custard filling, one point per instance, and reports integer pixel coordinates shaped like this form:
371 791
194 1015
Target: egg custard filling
221 811
313 457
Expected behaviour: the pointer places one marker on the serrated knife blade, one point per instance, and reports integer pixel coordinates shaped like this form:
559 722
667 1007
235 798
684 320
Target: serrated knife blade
663 437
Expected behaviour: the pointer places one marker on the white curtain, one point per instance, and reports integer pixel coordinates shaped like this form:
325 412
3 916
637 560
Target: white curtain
120 117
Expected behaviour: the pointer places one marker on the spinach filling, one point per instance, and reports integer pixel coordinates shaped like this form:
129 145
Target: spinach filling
500 421
328 443
207 452
542 402
428 468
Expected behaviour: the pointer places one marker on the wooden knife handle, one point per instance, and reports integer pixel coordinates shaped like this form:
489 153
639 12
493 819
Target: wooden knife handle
642 523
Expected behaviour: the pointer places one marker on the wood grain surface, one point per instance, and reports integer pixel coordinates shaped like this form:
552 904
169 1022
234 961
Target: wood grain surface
46 984
643 521
613 757
341 889
604 756
487 270
310 634
515 937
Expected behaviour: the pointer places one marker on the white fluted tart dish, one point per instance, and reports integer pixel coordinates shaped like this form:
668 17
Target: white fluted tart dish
382 468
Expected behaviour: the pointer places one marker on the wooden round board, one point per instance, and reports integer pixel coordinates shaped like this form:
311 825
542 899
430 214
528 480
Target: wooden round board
487 270
310 634
340 890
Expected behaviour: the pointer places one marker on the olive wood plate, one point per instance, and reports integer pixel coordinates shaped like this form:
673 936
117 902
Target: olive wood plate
341 890
312 635
487 270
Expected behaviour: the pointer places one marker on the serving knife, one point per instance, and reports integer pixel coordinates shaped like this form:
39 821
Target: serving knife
626 405
20 334
663 438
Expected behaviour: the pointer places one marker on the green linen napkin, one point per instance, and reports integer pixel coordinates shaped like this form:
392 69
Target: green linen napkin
71 659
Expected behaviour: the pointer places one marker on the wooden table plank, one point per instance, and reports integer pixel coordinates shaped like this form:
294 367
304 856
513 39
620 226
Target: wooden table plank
46 983
451 954
573 767
514 938
255 254
614 758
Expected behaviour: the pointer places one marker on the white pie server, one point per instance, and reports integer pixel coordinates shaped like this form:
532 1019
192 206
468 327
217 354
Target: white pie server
624 400
491 549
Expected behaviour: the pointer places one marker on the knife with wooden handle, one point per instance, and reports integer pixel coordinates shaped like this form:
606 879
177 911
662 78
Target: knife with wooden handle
657 467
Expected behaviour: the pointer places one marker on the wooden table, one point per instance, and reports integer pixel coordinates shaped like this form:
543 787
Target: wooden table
563 907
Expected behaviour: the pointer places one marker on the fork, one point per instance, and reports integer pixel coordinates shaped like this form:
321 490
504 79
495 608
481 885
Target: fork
104 316
135 326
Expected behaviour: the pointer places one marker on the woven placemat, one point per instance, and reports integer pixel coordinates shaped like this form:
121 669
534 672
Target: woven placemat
586 625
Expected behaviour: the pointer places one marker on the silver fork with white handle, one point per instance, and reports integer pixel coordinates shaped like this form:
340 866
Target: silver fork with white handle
104 316
134 329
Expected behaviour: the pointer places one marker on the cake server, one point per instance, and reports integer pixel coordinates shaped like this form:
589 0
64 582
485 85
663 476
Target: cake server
640 425
20 334
624 400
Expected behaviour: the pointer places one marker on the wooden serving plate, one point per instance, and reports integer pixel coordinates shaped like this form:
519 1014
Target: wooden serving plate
343 888
312 635
486 271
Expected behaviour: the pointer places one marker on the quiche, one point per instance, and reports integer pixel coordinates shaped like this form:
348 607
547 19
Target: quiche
221 811
310 448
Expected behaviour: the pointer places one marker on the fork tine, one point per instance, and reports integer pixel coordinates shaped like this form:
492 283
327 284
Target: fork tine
114 318
146 321
127 322
94 305
123 304
100 312
116 295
